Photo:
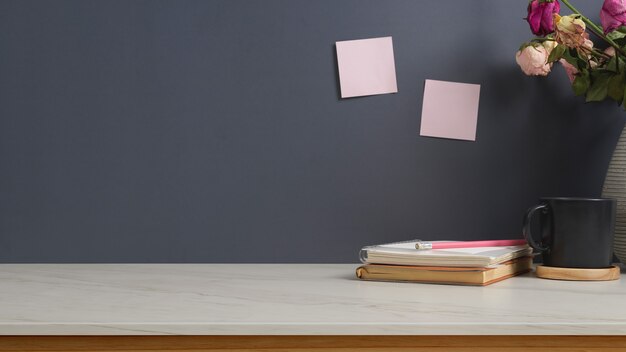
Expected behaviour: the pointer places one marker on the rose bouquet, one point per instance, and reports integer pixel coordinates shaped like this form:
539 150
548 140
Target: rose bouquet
595 73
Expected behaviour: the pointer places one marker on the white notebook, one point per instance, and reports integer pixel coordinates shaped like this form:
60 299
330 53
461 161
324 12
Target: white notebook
404 253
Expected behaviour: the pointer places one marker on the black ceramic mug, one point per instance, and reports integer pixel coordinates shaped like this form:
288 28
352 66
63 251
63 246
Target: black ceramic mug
575 232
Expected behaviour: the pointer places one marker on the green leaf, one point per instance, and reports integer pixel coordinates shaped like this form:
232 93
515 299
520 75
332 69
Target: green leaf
615 88
620 42
615 64
620 63
611 65
618 36
615 35
567 55
581 83
581 59
557 53
524 45
598 89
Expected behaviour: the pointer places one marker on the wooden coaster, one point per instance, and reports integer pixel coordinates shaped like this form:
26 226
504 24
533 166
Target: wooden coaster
576 274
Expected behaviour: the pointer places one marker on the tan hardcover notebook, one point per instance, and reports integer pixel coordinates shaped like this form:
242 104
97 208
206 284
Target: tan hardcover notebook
445 275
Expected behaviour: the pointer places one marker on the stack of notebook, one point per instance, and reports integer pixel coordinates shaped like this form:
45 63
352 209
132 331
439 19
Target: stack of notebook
480 266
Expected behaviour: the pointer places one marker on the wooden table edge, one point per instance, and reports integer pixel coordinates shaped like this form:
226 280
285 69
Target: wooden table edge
233 343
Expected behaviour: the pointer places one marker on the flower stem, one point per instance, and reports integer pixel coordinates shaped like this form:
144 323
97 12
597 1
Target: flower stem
597 30
594 28
600 53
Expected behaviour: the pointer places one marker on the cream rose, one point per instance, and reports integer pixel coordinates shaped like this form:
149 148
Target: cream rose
533 60
570 31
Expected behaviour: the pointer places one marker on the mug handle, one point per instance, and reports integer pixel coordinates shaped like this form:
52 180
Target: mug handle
527 219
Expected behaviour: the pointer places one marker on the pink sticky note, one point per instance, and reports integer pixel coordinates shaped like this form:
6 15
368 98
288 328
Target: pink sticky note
366 67
450 110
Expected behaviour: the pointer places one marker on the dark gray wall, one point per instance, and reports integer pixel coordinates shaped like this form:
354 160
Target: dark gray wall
212 131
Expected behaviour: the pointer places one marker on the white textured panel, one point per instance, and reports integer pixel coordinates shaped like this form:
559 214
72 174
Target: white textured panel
615 187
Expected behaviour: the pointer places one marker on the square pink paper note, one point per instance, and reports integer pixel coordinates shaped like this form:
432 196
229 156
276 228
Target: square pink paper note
366 67
450 110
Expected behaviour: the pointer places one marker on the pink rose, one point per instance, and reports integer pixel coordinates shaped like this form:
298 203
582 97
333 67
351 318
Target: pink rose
613 15
540 16
569 69
533 60
610 51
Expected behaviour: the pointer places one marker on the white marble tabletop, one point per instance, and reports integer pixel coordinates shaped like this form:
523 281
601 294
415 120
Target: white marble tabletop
289 299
